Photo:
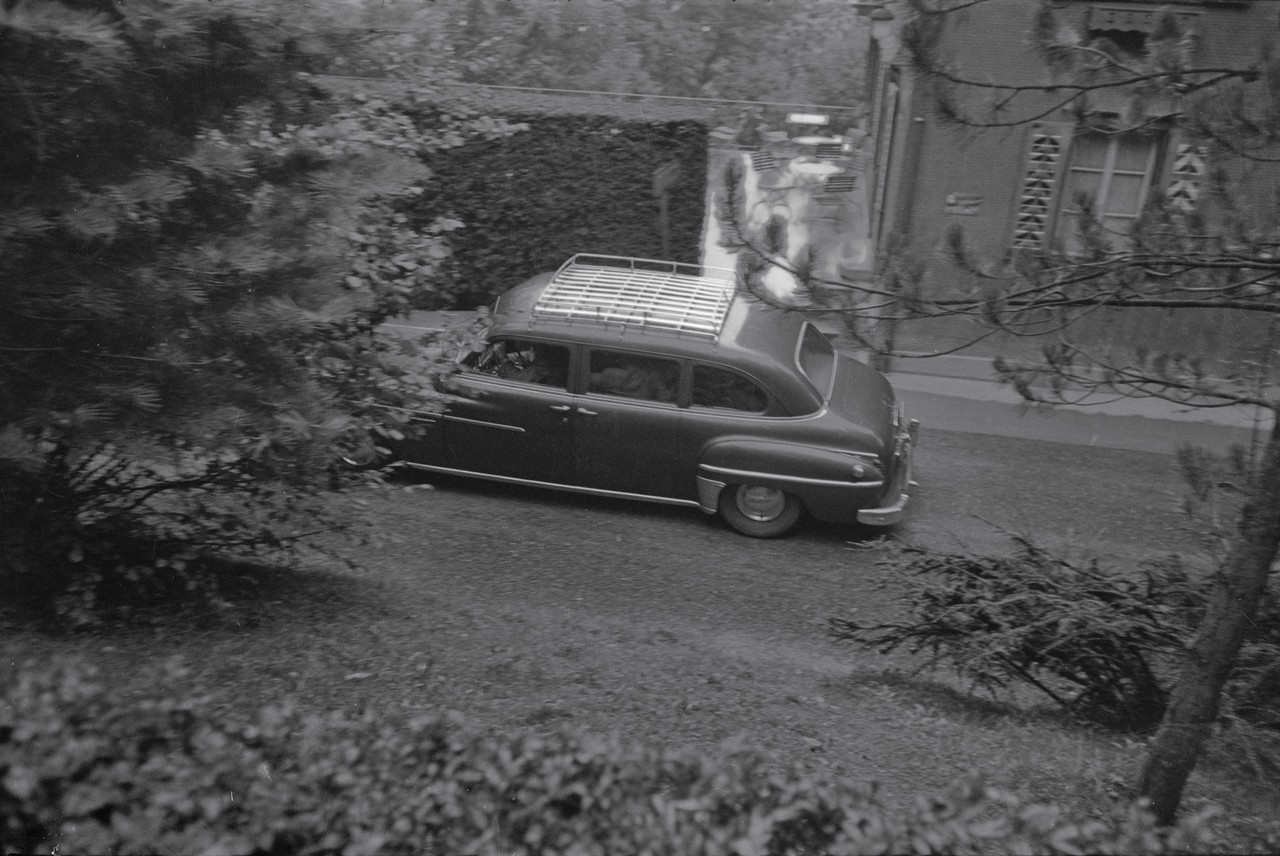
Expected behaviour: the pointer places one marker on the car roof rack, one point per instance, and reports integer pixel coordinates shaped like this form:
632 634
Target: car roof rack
644 293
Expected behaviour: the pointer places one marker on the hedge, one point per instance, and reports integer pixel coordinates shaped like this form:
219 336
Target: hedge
85 769
567 184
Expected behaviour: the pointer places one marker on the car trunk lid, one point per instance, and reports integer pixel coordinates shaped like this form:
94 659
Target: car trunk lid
863 395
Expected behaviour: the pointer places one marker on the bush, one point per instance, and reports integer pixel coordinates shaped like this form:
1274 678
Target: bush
1096 643
1101 644
100 534
84 771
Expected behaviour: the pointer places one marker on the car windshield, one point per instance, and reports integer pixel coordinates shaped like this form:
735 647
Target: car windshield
817 360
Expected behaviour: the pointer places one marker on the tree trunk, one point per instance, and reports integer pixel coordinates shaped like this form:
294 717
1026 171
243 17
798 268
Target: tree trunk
1237 589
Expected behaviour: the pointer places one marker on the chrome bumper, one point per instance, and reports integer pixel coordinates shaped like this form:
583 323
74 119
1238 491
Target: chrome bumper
887 515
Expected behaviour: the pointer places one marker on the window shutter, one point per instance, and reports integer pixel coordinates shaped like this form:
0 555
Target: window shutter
1186 176
1046 151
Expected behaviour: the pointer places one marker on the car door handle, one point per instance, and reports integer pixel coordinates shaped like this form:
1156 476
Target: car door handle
586 412
561 408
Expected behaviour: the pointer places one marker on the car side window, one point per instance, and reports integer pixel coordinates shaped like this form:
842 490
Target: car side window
522 360
634 376
717 387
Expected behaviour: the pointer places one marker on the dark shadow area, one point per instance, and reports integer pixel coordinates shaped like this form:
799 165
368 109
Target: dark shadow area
218 594
934 696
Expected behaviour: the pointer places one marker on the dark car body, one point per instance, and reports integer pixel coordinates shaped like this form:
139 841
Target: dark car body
656 381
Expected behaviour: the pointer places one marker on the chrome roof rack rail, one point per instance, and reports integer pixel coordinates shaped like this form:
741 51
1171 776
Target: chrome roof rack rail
647 293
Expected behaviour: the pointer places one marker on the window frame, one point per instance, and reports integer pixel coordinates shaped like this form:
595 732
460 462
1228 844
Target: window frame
506 340
678 393
770 406
824 394
1064 208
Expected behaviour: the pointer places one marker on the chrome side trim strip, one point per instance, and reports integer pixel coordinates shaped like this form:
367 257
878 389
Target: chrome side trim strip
426 415
593 491
748 474
499 425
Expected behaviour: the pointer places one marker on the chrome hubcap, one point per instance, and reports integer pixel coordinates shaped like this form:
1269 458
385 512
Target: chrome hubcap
761 504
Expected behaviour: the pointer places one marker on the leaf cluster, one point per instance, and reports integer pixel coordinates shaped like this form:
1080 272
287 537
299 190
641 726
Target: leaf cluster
115 533
88 771
806 53
565 184
1103 645
1094 642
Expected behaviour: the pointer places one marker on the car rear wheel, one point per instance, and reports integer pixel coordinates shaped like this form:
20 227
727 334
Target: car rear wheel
759 511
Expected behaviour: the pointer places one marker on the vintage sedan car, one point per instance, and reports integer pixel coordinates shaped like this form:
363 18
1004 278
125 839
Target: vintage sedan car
656 381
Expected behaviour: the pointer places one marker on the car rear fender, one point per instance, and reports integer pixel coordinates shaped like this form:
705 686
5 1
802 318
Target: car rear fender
795 468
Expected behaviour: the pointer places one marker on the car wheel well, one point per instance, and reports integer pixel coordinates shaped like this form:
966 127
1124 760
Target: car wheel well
759 511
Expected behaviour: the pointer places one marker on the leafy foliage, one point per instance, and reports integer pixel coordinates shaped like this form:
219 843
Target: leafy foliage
1090 640
196 244
567 184
1103 645
701 48
87 771
120 530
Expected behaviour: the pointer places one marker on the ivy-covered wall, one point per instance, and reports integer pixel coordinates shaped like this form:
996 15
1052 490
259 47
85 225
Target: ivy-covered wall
569 184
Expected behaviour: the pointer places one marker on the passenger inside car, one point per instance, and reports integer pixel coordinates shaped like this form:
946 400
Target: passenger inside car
526 361
650 380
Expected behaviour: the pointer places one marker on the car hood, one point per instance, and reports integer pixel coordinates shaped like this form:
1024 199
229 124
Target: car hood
863 396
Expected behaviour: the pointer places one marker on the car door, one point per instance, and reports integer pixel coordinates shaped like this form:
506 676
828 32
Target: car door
627 424
723 403
509 413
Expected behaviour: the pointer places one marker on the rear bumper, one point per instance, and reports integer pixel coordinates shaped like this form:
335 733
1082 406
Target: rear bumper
900 492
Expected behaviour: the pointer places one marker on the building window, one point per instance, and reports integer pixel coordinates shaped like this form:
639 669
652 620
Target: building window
1110 174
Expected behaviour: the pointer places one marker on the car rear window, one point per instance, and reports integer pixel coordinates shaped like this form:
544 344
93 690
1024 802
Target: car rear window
721 388
817 359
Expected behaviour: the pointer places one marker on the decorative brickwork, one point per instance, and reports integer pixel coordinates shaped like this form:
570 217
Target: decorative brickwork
1034 203
1188 171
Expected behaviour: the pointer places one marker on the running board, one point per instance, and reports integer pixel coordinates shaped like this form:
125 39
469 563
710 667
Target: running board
592 491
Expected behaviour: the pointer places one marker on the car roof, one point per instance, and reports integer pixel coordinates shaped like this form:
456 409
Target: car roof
665 307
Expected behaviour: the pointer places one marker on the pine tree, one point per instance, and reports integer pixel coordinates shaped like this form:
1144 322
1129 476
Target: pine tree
196 243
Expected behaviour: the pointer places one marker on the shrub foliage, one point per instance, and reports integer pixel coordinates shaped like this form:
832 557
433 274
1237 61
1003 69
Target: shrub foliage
85 771
1102 644
567 184
196 244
